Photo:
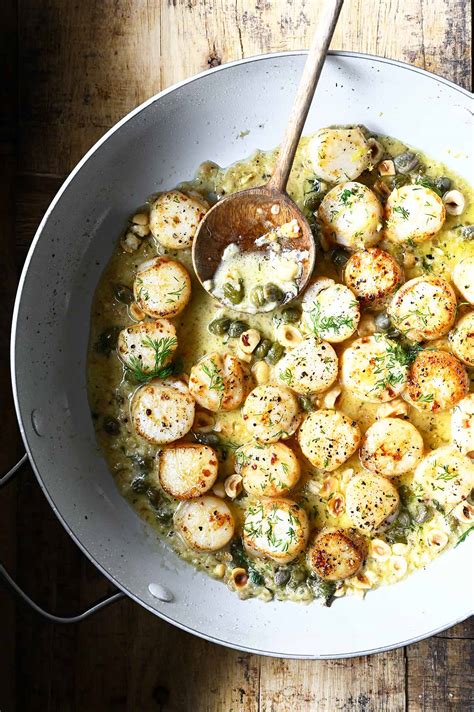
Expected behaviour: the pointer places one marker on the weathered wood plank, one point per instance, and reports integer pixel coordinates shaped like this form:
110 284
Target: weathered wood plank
440 676
84 65
366 684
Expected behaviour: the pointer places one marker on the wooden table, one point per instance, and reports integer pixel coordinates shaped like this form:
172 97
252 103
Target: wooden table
74 67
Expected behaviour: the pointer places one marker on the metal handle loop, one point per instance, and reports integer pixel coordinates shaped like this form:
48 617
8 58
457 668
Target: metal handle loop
116 596
14 469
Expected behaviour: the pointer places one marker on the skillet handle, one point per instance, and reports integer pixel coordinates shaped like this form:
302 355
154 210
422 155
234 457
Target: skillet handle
7 579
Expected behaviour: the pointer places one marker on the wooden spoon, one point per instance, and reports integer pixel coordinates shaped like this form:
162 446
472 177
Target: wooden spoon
242 217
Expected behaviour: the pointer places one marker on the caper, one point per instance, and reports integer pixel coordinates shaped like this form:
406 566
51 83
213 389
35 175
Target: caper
123 294
468 232
339 256
237 328
160 510
273 293
290 315
262 348
314 190
406 162
306 403
207 438
394 333
107 341
274 354
111 425
257 296
443 184
232 293
219 327
282 576
422 513
382 321
143 463
399 180
139 483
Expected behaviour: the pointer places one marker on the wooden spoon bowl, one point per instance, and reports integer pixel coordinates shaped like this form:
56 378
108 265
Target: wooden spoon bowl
241 218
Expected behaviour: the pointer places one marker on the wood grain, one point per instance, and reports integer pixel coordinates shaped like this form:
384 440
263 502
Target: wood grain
81 66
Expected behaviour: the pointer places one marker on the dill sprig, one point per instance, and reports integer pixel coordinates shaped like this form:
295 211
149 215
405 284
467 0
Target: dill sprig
329 323
163 348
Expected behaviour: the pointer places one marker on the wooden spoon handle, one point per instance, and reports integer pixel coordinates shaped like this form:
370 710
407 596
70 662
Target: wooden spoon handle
307 87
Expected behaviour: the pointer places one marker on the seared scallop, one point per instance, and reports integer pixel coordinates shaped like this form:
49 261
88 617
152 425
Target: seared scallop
162 411
370 500
174 219
311 367
186 470
219 382
162 287
276 528
372 275
268 470
413 213
463 278
445 476
338 155
205 523
147 346
351 215
424 308
462 425
330 313
436 381
374 369
461 339
391 447
271 413
328 438
336 554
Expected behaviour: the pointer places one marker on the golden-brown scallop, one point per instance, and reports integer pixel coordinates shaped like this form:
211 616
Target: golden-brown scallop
219 382
328 438
162 287
174 219
330 312
370 500
310 367
436 381
338 155
374 369
351 215
337 554
205 523
413 213
462 425
162 411
391 447
277 529
271 413
463 278
372 275
186 470
445 476
147 346
268 470
461 338
424 308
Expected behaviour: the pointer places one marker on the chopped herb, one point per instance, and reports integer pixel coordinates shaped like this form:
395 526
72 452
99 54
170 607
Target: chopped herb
163 349
464 536
402 211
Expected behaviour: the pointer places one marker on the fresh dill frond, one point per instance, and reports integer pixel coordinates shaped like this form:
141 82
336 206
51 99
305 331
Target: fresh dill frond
163 349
